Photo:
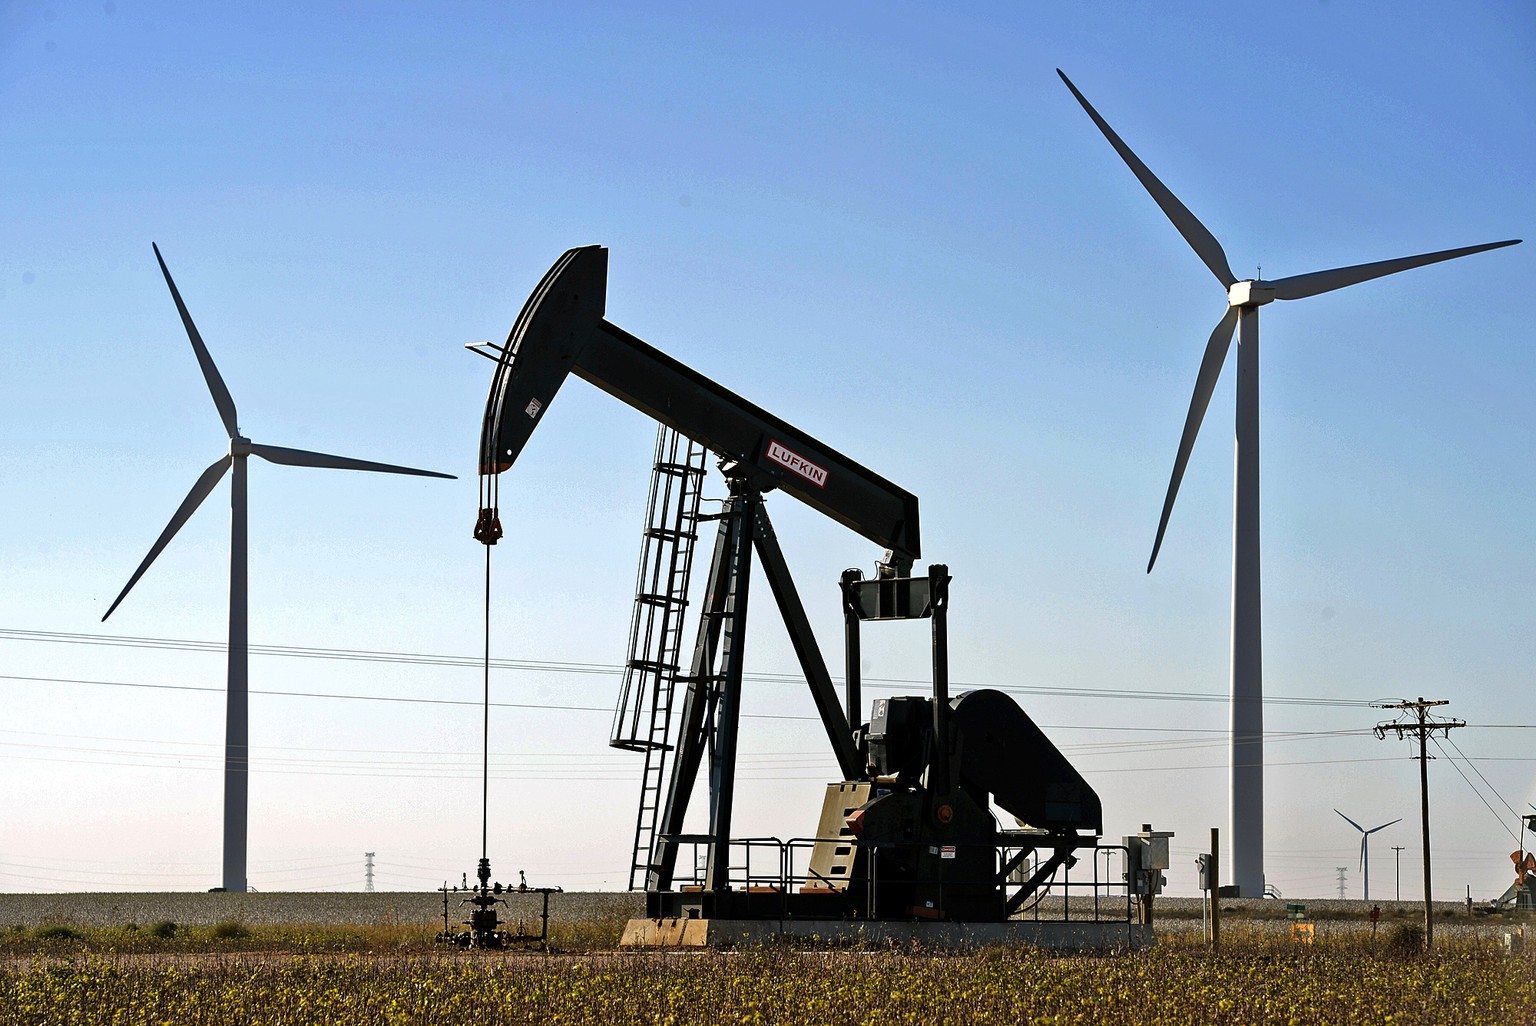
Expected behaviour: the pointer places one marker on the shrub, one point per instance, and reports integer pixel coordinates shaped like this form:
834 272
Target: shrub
1406 938
229 930
163 930
55 933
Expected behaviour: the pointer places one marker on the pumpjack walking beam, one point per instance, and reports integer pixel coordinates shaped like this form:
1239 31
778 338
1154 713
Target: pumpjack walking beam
562 331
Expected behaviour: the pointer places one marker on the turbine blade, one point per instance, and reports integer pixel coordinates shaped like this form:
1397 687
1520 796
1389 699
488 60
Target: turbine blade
304 458
1196 234
1362 849
195 497
221 397
1205 384
1372 830
1300 286
1351 822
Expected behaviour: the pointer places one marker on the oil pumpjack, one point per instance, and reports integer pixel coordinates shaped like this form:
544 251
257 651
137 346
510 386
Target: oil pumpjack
908 834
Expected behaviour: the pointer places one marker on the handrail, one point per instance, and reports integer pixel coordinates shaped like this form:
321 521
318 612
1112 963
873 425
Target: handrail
1095 899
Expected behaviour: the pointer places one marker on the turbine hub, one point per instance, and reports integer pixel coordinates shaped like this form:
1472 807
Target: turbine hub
1250 293
239 446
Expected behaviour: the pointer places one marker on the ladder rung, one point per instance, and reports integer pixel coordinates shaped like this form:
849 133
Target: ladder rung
669 534
651 666
678 469
652 598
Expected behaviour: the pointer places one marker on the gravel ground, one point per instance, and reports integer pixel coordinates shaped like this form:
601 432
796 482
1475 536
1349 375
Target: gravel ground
270 909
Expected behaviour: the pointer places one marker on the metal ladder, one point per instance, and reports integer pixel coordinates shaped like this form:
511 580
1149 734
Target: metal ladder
643 717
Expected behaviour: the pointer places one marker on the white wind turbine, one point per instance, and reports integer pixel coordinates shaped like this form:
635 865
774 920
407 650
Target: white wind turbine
1243 301
1365 847
240 447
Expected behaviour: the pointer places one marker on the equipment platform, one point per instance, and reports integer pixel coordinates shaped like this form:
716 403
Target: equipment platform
1057 935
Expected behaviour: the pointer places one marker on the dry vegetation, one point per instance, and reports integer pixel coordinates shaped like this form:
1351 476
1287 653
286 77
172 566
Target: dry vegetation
386 973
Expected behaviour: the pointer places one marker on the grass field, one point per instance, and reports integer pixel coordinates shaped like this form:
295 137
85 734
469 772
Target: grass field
391 973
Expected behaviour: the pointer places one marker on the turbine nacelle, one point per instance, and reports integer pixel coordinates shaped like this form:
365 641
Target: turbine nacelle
239 445
1250 293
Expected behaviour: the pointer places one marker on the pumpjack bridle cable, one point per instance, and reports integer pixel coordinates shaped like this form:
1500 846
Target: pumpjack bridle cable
485 766
487 532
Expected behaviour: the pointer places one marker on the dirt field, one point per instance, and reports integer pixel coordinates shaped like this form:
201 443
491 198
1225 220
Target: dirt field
277 909
425 909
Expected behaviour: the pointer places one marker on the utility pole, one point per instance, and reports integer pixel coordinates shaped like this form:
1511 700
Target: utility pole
1399 849
1215 893
1416 723
367 872
1341 870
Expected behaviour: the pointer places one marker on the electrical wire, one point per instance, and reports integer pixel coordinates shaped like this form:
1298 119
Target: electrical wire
1502 824
1485 780
528 765
603 669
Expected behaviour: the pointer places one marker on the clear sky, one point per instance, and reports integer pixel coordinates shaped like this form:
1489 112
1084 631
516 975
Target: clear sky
888 223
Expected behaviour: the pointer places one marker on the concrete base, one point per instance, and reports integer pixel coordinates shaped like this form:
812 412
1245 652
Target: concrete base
724 933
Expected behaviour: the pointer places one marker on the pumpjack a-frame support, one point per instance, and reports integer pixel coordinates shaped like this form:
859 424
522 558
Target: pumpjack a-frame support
711 713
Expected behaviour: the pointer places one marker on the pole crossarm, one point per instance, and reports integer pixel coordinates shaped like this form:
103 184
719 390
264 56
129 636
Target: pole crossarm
1422 726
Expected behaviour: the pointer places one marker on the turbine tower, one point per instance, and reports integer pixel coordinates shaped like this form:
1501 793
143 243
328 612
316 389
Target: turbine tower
1365 848
240 448
1243 301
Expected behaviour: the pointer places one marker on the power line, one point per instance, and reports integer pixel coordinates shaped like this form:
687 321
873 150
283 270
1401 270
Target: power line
1485 780
557 773
614 670
527 763
1104 747
1473 787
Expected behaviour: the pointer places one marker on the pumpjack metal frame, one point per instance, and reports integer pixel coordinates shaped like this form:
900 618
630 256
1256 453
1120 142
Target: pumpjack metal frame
562 331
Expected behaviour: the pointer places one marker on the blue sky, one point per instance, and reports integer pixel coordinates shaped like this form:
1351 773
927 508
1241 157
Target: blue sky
887 223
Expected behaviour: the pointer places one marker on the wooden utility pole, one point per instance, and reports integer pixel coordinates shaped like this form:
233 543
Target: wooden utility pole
1399 849
1419 725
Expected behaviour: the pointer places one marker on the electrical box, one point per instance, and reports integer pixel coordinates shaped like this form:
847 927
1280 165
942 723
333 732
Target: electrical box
1203 871
1148 849
1146 857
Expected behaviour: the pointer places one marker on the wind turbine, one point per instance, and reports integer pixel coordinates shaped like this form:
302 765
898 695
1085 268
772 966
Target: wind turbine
1243 301
1365 848
240 447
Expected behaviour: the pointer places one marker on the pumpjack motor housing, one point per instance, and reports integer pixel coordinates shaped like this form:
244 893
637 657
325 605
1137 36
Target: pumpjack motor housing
914 836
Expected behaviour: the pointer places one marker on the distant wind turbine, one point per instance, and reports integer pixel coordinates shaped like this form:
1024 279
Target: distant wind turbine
240 447
1365 848
1243 301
